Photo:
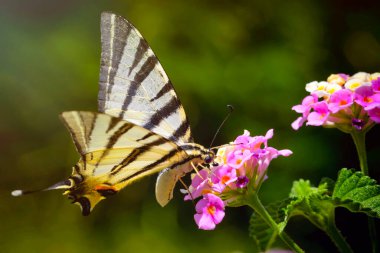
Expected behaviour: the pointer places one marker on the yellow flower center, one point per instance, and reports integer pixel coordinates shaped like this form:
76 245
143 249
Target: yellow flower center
211 210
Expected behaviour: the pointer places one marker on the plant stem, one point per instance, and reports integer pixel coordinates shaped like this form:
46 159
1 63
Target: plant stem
253 201
359 140
336 236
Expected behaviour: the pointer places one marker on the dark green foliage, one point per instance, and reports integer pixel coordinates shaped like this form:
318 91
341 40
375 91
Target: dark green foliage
357 193
263 235
352 190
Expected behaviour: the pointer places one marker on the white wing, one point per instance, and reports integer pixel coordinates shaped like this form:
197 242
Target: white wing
134 86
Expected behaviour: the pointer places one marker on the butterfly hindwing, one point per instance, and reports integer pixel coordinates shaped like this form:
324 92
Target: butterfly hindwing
133 84
121 149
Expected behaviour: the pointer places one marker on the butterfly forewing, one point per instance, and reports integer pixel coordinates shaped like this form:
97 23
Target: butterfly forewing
133 84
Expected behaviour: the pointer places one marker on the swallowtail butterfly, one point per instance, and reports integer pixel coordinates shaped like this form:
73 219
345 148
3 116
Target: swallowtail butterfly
141 127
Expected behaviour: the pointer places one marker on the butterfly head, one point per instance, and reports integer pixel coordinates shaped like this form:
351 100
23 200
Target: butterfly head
208 156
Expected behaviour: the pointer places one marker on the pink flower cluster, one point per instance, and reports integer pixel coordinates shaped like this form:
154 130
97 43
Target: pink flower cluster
345 102
238 168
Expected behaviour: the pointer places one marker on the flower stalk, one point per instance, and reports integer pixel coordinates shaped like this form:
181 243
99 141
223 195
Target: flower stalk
254 202
359 140
336 236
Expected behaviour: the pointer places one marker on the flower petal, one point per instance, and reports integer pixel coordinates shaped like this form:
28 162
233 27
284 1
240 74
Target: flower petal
204 221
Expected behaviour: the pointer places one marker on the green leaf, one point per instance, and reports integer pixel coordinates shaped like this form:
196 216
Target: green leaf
352 190
357 193
260 231
311 202
303 189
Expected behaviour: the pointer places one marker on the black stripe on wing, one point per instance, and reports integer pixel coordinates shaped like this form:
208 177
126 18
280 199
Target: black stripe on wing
140 76
141 49
80 133
146 136
181 131
112 124
158 162
164 112
114 34
134 155
151 166
114 138
165 89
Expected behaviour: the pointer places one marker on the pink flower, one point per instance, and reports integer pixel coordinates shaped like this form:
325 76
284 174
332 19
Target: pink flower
340 99
261 142
242 182
358 123
210 211
243 168
343 102
243 140
320 114
376 85
366 97
264 160
306 104
237 158
298 123
199 185
344 76
303 108
374 114
253 144
223 174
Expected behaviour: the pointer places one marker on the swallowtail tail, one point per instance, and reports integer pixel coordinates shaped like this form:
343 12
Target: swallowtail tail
141 127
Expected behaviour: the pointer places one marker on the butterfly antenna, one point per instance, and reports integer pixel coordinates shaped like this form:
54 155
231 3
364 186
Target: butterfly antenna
231 109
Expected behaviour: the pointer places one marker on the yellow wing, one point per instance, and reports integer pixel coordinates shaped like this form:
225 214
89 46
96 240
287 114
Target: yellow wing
114 153
110 145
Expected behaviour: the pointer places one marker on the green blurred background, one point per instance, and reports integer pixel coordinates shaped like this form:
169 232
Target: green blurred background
256 55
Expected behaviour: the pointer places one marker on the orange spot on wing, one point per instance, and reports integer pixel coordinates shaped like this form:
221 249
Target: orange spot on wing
105 187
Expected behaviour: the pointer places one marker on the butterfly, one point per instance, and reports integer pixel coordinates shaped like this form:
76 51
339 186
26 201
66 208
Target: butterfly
141 127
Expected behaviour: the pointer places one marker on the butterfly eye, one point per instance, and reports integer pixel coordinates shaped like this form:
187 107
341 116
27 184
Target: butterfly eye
208 159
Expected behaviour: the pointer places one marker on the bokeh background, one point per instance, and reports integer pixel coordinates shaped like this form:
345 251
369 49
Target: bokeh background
255 55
